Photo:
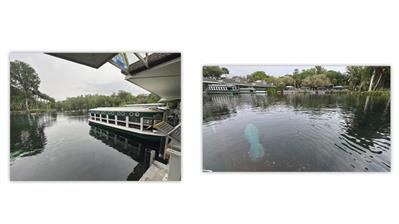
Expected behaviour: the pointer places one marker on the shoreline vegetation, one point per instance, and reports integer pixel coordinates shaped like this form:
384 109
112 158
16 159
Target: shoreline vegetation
26 98
384 92
355 80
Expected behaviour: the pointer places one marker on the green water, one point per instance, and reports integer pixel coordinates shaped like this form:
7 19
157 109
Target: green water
296 133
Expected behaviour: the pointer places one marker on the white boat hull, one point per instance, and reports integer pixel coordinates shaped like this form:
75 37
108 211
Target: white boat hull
132 130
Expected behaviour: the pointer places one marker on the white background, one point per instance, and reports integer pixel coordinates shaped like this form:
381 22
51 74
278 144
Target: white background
225 32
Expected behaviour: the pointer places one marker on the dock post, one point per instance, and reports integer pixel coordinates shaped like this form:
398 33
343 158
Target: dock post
127 121
116 119
149 155
107 118
162 147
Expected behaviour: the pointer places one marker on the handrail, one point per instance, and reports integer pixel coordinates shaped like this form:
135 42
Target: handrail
174 129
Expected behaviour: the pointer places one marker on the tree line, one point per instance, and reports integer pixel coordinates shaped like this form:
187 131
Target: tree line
85 102
356 78
26 96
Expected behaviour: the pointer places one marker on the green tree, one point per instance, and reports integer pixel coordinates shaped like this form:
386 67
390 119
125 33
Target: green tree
284 81
213 71
316 81
320 70
24 80
225 70
258 75
368 78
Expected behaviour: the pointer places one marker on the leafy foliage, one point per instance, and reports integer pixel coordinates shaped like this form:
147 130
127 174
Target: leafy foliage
214 71
85 102
24 88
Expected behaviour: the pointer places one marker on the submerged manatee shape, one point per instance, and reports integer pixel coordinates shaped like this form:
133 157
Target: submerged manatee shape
256 149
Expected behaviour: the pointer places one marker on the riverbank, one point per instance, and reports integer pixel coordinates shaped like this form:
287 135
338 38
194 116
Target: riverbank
32 111
385 93
44 111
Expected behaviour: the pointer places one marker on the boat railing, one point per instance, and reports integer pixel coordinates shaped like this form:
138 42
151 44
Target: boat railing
145 124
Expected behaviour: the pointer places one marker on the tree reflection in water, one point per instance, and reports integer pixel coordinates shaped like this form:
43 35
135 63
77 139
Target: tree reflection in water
348 131
27 134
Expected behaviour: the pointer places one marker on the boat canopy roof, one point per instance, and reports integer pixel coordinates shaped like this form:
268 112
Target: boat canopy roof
94 60
145 105
126 109
222 84
161 75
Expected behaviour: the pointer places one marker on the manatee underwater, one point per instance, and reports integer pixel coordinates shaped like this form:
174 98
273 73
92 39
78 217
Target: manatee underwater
256 149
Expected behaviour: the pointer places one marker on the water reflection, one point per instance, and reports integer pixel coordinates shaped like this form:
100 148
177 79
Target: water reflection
29 140
65 147
126 144
298 132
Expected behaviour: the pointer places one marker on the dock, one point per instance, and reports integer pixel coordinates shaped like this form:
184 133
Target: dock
158 171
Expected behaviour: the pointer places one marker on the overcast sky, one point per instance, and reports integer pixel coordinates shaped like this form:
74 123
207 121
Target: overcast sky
61 78
277 70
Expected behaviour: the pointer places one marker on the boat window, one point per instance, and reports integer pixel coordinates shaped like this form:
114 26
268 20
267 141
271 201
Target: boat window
134 119
147 121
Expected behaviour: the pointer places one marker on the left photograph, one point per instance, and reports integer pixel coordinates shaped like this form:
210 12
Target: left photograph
95 116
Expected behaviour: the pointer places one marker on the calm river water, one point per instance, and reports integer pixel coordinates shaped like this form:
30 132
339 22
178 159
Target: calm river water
296 133
65 147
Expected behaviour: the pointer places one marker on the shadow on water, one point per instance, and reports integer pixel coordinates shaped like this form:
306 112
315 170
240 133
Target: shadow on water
126 144
27 136
297 132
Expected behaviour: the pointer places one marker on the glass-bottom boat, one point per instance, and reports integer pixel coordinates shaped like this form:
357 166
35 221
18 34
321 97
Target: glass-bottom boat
137 119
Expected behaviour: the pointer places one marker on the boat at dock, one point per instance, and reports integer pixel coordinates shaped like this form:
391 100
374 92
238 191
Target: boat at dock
222 88
229 86
135 119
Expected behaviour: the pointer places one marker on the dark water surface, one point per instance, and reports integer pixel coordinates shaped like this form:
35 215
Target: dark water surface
296 133
65 147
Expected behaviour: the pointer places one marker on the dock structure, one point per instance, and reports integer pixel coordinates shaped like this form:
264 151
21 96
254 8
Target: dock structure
156 172
158 73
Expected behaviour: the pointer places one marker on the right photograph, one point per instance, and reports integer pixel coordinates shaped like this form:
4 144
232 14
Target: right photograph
260 118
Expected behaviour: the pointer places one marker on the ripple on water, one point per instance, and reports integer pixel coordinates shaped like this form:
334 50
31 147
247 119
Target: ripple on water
320 133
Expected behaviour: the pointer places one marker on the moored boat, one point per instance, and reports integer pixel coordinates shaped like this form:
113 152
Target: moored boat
136 119
222 88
